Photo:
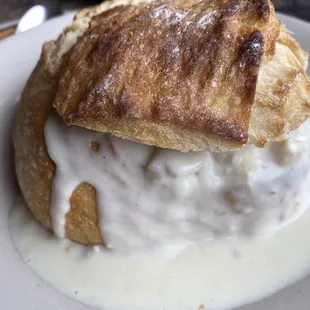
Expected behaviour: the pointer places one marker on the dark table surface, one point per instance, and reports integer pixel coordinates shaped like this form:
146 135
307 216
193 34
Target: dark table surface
14 9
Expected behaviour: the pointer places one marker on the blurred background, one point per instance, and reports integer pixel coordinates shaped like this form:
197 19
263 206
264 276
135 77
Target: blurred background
12 10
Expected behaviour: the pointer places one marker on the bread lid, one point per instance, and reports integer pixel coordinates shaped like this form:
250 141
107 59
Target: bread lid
186 75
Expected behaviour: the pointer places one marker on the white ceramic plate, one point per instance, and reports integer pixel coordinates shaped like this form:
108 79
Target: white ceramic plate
20 288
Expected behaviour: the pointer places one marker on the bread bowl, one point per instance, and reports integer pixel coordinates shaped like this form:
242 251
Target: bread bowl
272 101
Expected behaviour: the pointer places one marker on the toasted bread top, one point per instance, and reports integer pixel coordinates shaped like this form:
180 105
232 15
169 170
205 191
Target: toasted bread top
184 65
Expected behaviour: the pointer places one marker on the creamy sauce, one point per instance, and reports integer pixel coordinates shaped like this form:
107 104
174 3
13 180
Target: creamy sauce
151 197
219 274
159 201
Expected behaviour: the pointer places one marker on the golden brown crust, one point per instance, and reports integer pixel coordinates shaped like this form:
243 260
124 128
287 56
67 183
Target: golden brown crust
34 168
194 72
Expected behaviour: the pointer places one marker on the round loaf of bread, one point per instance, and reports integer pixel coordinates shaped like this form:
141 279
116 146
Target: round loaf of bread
280 80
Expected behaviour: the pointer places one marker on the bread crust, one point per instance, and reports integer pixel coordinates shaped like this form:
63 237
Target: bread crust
191 78
33 166
268 112
282 100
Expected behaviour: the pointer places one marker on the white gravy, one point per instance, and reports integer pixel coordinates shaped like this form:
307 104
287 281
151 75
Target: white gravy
219 274
149 197
159 201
